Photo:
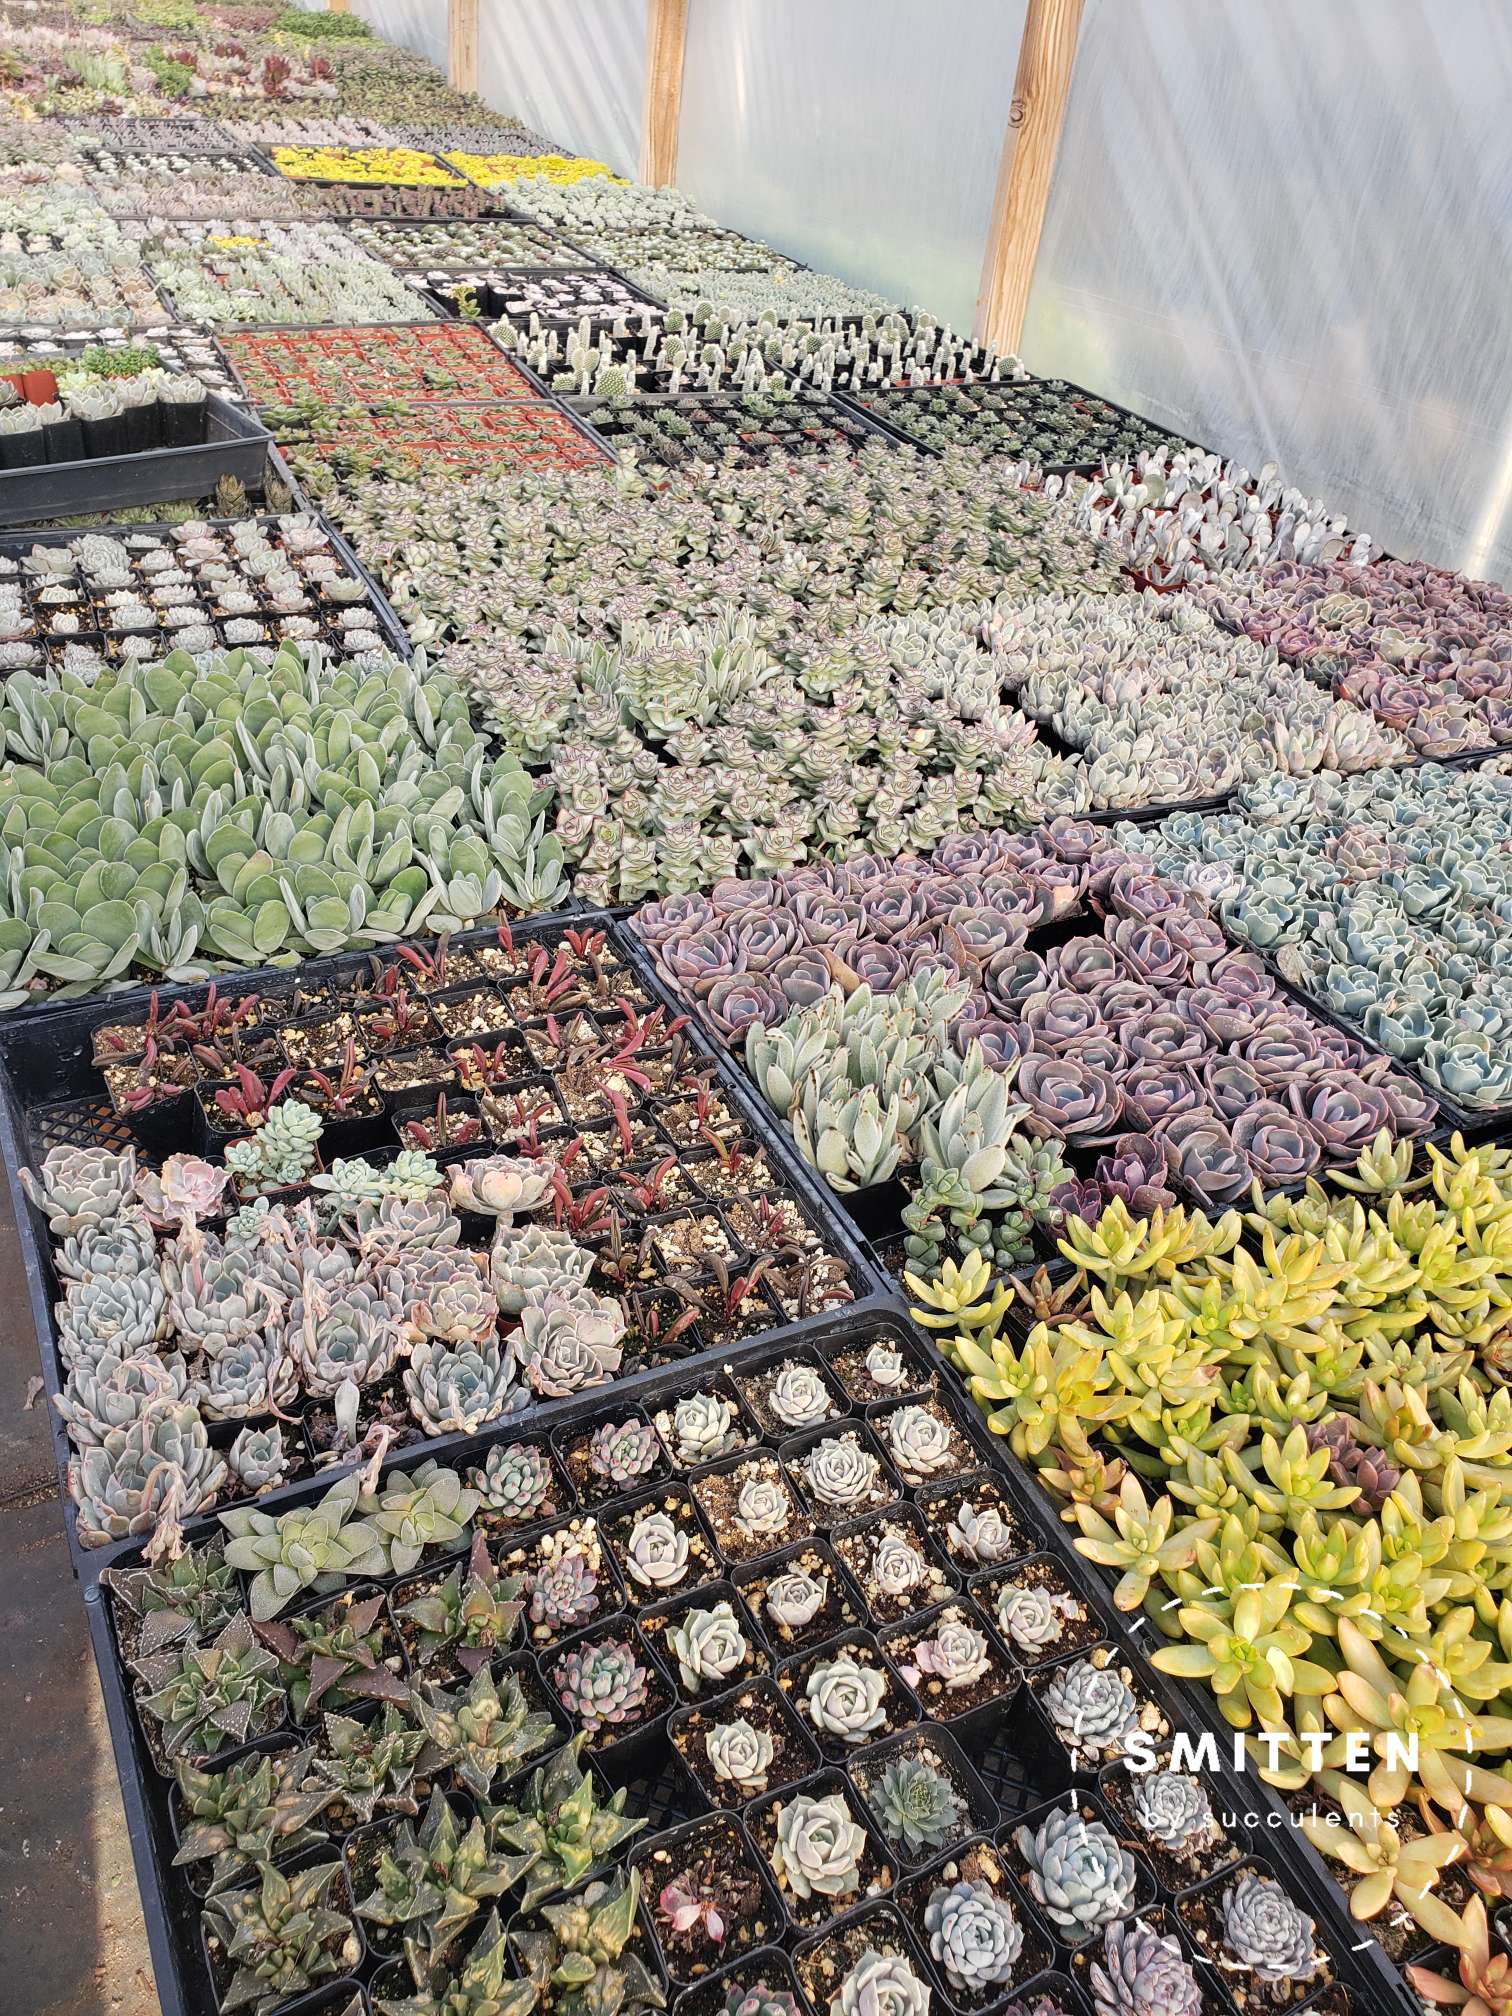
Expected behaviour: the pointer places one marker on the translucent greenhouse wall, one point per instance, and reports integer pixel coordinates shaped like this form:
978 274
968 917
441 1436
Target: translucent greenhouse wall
1287 231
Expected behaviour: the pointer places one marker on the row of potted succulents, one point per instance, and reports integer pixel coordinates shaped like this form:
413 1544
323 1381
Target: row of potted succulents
1384 897
566 1195
401 1709
113 352
1305 1548
251 270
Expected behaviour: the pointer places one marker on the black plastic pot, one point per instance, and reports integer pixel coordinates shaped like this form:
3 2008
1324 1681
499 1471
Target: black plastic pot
115 474
65 439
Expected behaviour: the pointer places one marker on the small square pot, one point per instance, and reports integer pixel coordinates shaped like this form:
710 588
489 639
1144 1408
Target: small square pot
798 1628
923 1440
533 1556
874 1867
1036 1613
1081 1719
840 1473
1092 1811
971 1517
612 1743
824 1962
1200 1914
1161 1921
892 1559
687 1563
950 1699
976 1862
896 1707
790 1392
349 1948
1195 1858
750 1507
739 1880
500 1522
976 1808
763 1705
662 1619
594 1485
720 1428
847 1361
767 1971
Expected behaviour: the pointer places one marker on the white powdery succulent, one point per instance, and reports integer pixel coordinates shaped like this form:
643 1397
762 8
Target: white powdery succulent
741 1755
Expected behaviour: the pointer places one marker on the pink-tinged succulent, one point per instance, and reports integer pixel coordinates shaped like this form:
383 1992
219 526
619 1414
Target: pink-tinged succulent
1072 1099
1165 1037
1203 1157
1346 1114
185 1187
1156 1093
674 917
1137 1172
1149 951
1057 1018
688 1908
733 1005
1280 1149
1231 1085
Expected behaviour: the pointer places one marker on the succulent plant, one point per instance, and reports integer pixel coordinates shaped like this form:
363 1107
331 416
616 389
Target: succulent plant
708 1645
1092 1707
579 1961
656 1553
840 1473
255 1809
331 1657
1265 1931
602 1685
474 1984
569 1339
1142 1973
527 1260
1031 1617
80 1190
956 1653
189 1596
920 1444
1351 1462
700 1428
885 1364
433 1879
205 1698
819 1847
145 1478
499 1186
124 1315
310 1547
845 1697
481 1734
760 2000
428 1506
1172 1808
974 1934
881 1984
798 1395
898 1565
371 1766
564 1583
623 1453
555 1830
456 1391
121 1246
986 1538
740 1754
795 1597
1078 1874
917 1805
763 1509
115 1392
473 1612
515 1481
281 1936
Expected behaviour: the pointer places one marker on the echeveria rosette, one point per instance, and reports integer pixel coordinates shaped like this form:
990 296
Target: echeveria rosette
1078 1874
975 1936
1071 1099
1142 1972
1263 1930
819 1846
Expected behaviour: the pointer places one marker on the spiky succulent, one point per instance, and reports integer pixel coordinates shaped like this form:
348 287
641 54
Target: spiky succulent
819 1846
623 1453
564 1583
569 1339
709 1646
555 1830
1078 1873
190 1596
281 1936
254 1810
515 1481
602 1685
881 1984
481 1734
1092 1707
917 1805
205 1698
577 1960
1142 1973
1266 1932
474 1983
1172 1808
846 1698
330 1657
740 1754
974 1934
473 1613
370 1766
433 1879
310 1547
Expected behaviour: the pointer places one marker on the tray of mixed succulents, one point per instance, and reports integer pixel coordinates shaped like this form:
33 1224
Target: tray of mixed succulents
770 1691
384 1201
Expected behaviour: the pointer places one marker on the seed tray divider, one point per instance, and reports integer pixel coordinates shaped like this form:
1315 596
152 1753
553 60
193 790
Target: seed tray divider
57 1050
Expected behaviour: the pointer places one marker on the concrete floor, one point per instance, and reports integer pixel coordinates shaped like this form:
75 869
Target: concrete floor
72 1941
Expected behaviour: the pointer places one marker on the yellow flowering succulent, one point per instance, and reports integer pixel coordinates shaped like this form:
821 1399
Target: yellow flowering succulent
491 171
404 167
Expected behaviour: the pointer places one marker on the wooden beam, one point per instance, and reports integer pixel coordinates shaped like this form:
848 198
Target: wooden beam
1035 116
462 44
661 114
338 6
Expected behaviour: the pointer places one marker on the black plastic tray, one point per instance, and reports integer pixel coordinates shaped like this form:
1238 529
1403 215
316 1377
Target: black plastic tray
236 444
45 1060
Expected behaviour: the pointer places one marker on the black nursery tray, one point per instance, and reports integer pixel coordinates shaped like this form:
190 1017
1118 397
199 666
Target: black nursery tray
52 1094
235 444
809 422
1006 1758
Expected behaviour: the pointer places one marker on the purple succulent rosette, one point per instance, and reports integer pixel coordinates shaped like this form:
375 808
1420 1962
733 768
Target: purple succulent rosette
1424 649
1164 1061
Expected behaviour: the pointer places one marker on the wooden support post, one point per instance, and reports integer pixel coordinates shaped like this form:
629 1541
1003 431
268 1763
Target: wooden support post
661 115
338 6
1035 117
462 44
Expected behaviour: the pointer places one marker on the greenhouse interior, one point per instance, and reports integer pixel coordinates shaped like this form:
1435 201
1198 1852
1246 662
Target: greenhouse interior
756 1008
